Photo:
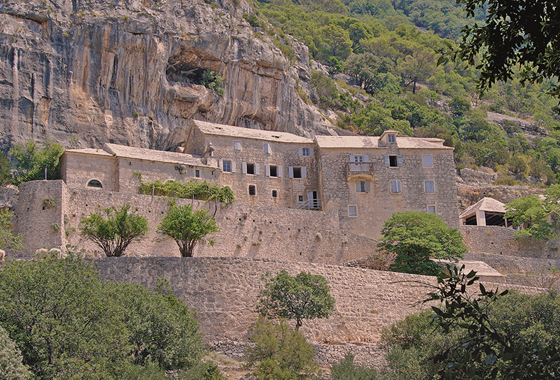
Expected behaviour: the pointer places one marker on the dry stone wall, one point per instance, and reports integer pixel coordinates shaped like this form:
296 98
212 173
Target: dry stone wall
501 241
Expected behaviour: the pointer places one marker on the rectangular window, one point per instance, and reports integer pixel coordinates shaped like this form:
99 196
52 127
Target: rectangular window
297 172
274 194
431 209
305 151
250 168
237 146
197 173
393 161
427 161
362 186
226 167
395 186
352 211
252 190
267 148
391 138
429 187
300 198
358 158
273 171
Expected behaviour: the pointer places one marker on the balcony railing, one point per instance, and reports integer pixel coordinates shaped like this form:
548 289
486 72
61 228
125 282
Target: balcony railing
310 204
359 168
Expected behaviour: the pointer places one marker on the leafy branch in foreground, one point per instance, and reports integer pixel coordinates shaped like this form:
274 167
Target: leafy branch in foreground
487 350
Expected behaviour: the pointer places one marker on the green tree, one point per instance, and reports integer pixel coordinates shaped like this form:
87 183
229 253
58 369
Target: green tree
415 238
70 324
280 352
538 218
347 370
336 42
5 170
7 238
11 366
304 296
30 161
187 226
459 106
114 229
516 33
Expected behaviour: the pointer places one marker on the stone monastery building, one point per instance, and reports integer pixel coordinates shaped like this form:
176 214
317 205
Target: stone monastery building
365 178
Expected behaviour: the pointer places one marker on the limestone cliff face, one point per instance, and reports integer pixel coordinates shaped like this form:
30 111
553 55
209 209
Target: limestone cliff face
129 72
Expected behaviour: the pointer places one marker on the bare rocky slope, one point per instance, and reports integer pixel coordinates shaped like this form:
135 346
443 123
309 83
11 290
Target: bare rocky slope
130 72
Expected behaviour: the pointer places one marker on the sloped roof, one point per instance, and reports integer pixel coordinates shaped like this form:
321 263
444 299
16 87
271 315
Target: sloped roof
248 133
153 155
89 151
371 142
485 204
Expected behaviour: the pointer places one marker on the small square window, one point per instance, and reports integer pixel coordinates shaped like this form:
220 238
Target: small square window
395 186
252 190
429 187
297 172
250 168
274 194
273 171
352 211
197 173
226 167
391 138
300 198
431 209
305 152
237 146
427 161
393 161
358 158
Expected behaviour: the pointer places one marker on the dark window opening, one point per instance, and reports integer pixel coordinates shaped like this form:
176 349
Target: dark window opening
95 183
250 168
297 172
393 161
273 171
391 138
300 198
197 173
252 190
274 194
471 220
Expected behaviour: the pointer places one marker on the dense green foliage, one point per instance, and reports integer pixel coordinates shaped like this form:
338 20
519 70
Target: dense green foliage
5 168
70 324
114 229
416 237
539 218
190 190
347 370
187 226
304 296
30 161
279 352
11 366
7 238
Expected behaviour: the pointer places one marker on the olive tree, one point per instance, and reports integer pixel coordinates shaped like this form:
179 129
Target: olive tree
114 229
305 296
414 238
187 226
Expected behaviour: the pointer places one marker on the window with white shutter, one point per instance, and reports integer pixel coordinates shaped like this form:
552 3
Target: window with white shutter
395 186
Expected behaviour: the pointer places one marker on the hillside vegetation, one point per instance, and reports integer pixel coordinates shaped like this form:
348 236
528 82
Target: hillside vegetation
377 69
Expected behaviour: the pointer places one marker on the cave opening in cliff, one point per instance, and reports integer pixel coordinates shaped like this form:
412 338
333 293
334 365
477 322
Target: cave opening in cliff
182 72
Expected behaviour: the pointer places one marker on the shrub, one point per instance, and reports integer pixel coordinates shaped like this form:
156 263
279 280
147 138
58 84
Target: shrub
191 190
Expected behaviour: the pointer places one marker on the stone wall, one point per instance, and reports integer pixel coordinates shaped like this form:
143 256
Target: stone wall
500 241
224 292
283 234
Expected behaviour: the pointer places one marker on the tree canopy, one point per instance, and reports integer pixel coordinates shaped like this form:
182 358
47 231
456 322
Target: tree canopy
11 366
187 226
114 229
30 161
304 296
415 238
